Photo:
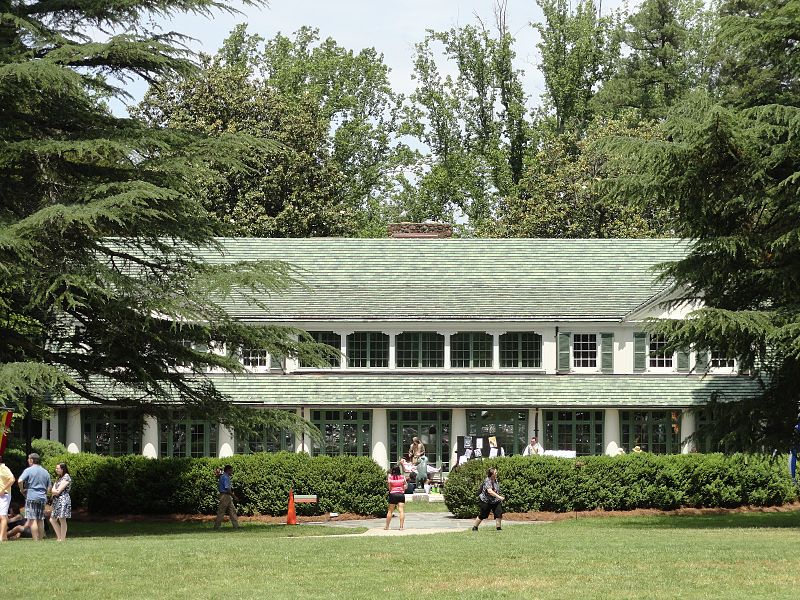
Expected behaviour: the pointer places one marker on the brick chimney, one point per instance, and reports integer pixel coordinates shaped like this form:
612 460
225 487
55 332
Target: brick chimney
420 230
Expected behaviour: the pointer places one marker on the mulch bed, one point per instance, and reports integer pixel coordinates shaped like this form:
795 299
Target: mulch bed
82 515
648 512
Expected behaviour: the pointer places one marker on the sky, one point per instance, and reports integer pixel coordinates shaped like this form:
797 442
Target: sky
392 27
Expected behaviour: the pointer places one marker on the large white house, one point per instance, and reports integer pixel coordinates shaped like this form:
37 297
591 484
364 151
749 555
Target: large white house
445 337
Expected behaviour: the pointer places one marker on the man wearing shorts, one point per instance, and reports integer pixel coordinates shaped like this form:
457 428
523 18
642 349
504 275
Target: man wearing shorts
6 481
34 483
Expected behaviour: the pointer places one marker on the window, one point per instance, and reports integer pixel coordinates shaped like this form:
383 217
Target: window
345 432
259 360
419 349
256 359
111 432
584 350
471 349
267 440
510 427
181 435
578 430
720 361
329 338
431 426
368 349
520 349
656 431
659 359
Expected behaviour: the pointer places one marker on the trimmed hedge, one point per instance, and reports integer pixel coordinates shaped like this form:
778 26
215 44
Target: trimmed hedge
545 483
138 485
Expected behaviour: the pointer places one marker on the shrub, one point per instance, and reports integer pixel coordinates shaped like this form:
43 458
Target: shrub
544 483
139 485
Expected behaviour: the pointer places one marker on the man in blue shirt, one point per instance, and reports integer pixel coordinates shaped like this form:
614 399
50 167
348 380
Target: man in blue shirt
34 483
226 499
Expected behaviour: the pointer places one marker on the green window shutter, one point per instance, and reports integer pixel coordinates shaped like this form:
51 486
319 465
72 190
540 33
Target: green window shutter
683 361
639 350
563 352
607 352
701 364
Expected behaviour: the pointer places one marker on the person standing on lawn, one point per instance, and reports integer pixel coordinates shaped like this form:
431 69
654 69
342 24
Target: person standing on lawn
6 481
226 505
34 483
397 484
62 502
490 500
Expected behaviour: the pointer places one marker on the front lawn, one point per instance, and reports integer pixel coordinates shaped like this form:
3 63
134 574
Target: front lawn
738 556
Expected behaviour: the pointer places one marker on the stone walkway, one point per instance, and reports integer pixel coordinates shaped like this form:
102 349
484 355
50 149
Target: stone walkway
423 523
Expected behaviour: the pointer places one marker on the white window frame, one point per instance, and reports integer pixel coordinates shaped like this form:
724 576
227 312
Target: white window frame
597 353
649 357
266 359
728 369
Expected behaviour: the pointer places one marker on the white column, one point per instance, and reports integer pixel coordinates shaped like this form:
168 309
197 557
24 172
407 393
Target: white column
225 442
380 437
343 348
611 435
54 424
531 423
457 427
688 428
302 443
446 348
44 435
495 349
150 437
392 350
73 430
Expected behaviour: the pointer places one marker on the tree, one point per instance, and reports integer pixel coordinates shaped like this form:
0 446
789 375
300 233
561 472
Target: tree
562 193
729 169
475 127
666 50
331 110
102 289
577 51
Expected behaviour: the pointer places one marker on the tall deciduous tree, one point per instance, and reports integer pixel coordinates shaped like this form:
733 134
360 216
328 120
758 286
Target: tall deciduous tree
101 283
562 193
474 126
577 51
332 111
730 170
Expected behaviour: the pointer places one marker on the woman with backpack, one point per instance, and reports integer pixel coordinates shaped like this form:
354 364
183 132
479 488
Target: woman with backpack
490 500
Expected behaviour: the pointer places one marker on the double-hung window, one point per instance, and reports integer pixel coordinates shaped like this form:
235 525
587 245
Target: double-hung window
584 350
659 358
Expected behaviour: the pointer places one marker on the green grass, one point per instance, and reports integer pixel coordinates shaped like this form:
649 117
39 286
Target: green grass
731 557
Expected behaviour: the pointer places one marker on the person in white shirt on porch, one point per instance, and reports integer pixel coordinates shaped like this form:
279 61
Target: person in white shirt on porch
533 448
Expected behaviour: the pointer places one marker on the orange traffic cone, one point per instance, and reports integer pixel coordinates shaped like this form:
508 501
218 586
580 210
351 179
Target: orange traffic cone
291 517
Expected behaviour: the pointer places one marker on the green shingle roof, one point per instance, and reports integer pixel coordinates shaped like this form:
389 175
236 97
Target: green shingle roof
482 390
458 279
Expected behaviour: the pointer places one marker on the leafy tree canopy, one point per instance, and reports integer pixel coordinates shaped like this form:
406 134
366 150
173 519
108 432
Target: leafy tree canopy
332 112
728 167
102 291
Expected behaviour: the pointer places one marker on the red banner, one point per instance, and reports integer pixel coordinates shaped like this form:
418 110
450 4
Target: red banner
5 427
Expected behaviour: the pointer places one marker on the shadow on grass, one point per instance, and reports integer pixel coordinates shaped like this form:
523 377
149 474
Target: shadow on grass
79 529
750 520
